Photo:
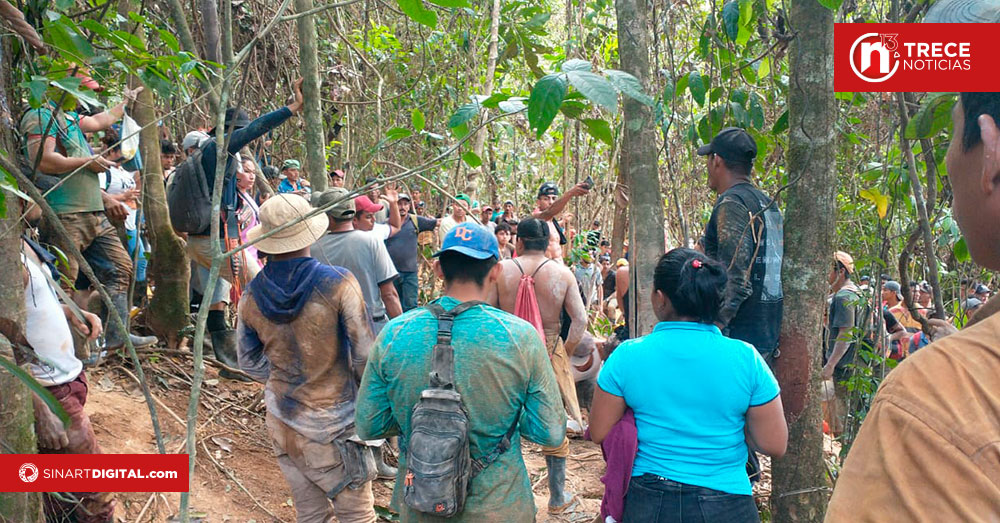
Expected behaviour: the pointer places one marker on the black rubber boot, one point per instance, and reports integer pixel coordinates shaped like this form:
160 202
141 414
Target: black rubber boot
559 499
224 347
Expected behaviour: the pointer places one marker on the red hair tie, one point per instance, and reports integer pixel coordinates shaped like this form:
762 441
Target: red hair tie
696 263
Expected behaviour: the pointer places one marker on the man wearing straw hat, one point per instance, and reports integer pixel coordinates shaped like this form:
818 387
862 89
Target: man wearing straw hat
299 310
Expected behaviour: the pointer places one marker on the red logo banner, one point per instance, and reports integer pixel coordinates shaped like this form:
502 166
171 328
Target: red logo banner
94 472
915 57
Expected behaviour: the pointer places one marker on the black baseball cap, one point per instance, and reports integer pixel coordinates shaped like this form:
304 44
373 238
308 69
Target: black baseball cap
548 189
963 11
732 144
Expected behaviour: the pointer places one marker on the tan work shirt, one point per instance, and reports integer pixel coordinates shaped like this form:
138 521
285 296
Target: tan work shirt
929 449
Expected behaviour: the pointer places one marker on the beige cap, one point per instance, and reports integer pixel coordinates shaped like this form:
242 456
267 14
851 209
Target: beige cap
279 210
845 259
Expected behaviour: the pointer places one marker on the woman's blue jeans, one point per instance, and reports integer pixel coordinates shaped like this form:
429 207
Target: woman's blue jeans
652 499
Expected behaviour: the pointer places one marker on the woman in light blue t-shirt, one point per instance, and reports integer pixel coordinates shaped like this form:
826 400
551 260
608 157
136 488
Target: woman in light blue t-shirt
700 400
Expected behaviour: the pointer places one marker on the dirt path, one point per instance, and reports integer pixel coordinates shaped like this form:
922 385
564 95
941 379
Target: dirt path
237 440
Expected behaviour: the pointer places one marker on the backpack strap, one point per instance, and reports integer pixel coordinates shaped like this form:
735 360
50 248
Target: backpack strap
518 266
540 265
478 465
443 359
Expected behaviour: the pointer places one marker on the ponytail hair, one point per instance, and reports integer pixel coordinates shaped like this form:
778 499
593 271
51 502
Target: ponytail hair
694 283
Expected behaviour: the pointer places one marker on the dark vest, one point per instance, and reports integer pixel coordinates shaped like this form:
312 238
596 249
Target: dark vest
758 320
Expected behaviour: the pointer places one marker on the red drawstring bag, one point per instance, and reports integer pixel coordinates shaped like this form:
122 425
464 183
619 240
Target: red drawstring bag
526 305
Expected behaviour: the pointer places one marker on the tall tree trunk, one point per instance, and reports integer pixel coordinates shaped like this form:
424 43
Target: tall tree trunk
620 219
799 490
210 29
313 105
169 267
491 68
17 417
639 158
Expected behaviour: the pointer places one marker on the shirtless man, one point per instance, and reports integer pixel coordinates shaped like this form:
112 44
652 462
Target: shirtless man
550 205
555 290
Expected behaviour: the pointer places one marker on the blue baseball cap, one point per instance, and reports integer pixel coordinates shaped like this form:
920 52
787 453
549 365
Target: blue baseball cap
474 241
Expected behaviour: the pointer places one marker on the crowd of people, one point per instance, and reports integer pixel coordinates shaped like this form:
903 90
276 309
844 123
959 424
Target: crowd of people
329 319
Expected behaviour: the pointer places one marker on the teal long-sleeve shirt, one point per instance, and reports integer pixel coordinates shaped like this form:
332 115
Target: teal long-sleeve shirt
501 368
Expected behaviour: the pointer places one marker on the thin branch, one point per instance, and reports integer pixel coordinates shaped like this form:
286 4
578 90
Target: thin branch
318 9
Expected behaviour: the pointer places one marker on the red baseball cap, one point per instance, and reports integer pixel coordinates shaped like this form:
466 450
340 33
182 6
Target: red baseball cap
364 204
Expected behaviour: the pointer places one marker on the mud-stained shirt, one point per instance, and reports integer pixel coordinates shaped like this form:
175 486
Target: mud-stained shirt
303 330
501 370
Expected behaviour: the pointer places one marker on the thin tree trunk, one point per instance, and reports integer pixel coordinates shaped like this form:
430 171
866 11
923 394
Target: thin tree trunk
638 158
177 14
799 489
313 105
168 262
491 68
210 29
924 208
620 223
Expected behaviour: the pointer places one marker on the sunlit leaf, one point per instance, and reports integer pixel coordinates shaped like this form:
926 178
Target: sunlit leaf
575 64
450 3
472 159
417 119
880 200
418 13
961 251
596 88
599 129
629 86
397 133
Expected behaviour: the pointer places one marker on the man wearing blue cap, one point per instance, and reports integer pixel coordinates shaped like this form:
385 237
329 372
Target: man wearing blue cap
502 370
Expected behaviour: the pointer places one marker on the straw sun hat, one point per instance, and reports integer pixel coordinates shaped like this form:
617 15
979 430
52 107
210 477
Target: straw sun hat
279 210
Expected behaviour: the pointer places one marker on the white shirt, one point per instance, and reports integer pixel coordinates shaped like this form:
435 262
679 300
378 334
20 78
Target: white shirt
382 231
47 331
119 182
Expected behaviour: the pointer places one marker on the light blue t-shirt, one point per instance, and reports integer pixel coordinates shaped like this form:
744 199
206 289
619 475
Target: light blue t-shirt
690 388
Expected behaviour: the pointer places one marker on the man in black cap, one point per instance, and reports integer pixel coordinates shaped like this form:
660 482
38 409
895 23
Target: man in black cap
551 205
745 233
241 131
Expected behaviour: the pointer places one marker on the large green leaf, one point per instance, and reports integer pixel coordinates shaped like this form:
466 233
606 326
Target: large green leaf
629 86
71 85
961 251
37 388
698 87
833 5
599 129
731 18
418 120
418 13
575 64
494 100
596 88
933 116
450 3
464 114
472 159
544 102
781 124
397 133
61 35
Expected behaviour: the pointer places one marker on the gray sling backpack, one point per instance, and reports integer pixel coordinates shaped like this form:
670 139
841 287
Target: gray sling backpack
439 466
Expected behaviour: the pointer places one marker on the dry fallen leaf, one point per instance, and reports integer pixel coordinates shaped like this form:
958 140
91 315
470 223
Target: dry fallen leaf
225 444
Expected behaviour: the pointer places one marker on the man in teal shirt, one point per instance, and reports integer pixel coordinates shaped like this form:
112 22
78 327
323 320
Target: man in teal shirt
501 370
